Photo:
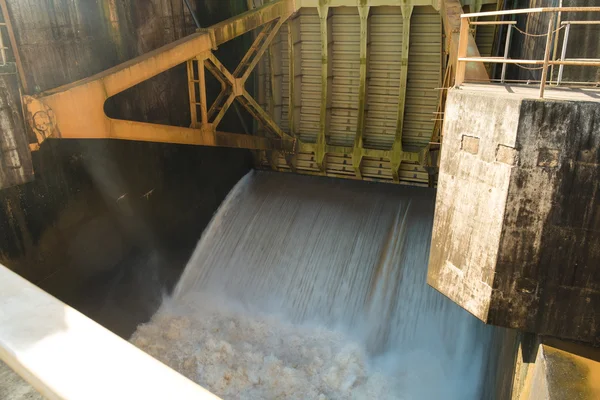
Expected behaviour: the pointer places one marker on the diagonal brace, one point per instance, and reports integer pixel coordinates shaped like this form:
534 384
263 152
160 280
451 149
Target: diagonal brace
264 33
261 51
261 115
232 85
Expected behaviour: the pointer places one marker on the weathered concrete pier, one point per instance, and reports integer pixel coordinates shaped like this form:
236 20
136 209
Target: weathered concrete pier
517 226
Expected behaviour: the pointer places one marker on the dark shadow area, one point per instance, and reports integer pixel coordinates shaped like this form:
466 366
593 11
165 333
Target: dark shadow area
530 344
169 104
500 368
107 226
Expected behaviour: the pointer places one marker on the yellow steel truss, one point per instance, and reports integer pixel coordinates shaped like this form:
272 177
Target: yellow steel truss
76 110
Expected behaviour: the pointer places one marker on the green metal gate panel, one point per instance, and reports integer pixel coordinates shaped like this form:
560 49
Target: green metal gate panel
424 76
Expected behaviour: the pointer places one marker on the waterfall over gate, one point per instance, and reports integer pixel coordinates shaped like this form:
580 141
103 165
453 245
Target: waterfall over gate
301 269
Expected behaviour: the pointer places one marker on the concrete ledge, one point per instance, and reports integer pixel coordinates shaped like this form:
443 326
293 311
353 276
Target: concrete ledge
562 370
65 355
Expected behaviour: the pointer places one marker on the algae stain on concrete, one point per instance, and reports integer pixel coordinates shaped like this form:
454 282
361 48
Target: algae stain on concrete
111 18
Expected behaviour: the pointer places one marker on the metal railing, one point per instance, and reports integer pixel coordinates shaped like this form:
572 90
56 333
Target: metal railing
465 23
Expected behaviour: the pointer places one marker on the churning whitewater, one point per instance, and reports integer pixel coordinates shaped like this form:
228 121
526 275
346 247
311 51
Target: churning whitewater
311 288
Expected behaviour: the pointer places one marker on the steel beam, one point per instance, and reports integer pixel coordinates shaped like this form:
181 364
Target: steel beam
192 93
533 11
256 44
76 110
242 141
320 150
234 83
370 3
294 84
204 136
219 101
221 114
139 69
463 43
202 89
357 155
259 53
397 149
276 79
276 98
220 71
272 156
58 113
250 20
409 156
256 110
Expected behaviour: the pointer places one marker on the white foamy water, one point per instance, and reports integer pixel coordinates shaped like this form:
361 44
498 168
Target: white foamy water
314 288
237 353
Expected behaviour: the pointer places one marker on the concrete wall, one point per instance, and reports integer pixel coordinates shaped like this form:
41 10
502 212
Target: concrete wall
107 226
517 228
548 271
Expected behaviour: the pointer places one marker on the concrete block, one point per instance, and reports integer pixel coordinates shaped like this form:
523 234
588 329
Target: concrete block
507 155
470 144
516 237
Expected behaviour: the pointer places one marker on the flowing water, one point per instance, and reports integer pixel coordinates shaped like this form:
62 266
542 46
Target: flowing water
305 287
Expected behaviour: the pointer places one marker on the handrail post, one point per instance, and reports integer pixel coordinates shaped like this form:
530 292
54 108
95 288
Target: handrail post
463 42
563 53
506 47
555 41
546 57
